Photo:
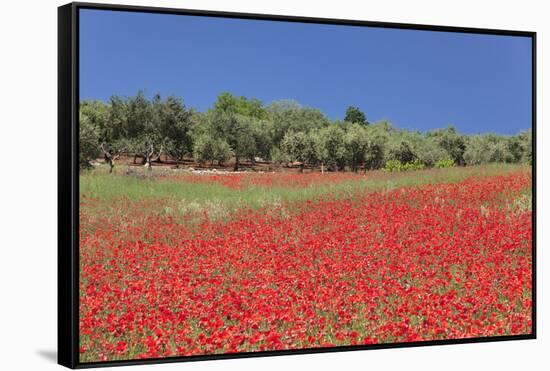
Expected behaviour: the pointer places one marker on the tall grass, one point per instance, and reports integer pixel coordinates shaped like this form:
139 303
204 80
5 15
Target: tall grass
109 188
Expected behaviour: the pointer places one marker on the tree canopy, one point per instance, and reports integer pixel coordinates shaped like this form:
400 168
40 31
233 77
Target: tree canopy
245 129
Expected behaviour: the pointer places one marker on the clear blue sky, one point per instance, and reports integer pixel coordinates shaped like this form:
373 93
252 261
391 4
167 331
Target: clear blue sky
415 79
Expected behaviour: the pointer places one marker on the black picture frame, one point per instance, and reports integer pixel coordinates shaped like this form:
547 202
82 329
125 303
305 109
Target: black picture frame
68 180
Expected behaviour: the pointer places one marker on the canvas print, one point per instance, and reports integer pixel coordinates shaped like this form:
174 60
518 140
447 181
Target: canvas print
253 185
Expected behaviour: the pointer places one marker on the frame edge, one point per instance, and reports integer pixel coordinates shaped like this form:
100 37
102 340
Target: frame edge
67 259
298 18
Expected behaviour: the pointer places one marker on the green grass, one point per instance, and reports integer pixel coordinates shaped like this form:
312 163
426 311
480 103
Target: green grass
168 196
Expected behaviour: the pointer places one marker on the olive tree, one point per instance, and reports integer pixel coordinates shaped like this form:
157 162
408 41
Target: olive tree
526 139
174 124
330 147
300 147
209 149
402 151
93 117
88 142
288 116
452 142
478 151
356 143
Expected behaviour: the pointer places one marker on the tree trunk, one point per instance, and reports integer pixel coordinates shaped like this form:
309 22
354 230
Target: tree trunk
111 164
148 163
148 158
301 167
110 157
236 167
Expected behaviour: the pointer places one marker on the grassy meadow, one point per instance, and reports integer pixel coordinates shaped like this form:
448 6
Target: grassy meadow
180 193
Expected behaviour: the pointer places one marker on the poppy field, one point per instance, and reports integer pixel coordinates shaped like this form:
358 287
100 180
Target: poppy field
193 264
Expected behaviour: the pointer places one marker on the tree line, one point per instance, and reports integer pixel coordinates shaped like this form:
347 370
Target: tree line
283 132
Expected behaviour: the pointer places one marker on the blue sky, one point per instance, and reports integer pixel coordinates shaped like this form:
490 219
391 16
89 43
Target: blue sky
415 79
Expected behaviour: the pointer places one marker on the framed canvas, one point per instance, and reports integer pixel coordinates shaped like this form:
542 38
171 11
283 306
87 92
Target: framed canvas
238 185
